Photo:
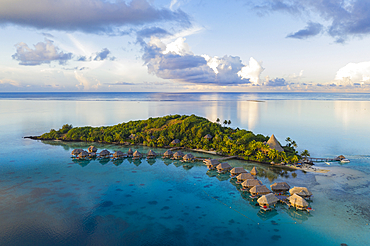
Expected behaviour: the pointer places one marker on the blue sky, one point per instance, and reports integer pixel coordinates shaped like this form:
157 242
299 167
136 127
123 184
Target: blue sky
183 45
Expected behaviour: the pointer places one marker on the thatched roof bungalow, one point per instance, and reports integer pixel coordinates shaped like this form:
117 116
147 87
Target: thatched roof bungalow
175 141
254 171
280 187
92 154
211 163
223 167
236 171
118 154
151 153
92 149
301 191
188 157
267 200
249 183
298 202
259 190
274 144
178 155
104 153
168 153
130 153
83 154
76 152
137 154
243 177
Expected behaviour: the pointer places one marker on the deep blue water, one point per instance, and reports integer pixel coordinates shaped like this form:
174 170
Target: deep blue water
46 198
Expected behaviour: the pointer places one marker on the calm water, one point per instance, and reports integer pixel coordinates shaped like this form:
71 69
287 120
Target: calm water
48 199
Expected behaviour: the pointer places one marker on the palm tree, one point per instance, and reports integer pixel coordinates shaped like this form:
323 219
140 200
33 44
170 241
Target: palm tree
272 154
288 140
218 120
294 144
305 153
259 156
229 122
295 159
225 122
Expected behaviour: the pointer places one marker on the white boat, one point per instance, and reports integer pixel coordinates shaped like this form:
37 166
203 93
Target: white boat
344 161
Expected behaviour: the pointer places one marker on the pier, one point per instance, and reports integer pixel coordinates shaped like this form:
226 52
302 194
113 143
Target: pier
312 159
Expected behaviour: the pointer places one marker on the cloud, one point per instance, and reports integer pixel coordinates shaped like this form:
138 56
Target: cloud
252 71
89 16
354 73
120 83
98 56
43 53
176 61
346 18
276 82
312 29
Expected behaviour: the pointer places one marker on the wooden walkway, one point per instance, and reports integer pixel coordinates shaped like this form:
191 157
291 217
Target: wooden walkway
321 159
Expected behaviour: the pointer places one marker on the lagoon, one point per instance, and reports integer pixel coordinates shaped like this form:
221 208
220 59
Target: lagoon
46 198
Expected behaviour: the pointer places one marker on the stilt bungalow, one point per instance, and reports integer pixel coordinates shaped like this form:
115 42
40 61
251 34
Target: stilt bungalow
301 191
188 157
76 152
178 155
83 154
280 187
168 154
298 202
137 154
259 190
92 149
118 154
211 163
223 167
267 200
151 154
254 171
130 153
236 171
249 183
243 177
104 153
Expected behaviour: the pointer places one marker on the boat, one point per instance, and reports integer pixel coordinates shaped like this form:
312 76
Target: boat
344 161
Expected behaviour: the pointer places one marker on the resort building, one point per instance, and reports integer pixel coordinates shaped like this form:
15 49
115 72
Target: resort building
274 144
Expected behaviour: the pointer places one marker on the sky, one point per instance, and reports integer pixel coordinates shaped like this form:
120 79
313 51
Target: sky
185 45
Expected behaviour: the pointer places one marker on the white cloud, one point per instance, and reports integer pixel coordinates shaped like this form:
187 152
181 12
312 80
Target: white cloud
252 71
354 73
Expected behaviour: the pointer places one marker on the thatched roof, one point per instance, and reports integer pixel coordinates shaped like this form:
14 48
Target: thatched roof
176 141
92 149
223 166
302 191
137 154
297 201
83 154
249 183
208 136
188 157
268 199
104 152
130 152
178 154
151 153
237 170
282 186
274 144
259 190
118 154
254 171
244 176
211 162
76 151
92 154
168 153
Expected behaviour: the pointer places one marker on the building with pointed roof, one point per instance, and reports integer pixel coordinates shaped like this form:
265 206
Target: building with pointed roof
274 144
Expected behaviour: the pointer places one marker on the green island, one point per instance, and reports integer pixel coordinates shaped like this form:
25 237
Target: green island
191 132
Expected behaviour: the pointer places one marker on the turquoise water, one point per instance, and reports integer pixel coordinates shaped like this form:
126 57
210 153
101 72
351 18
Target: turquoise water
46 198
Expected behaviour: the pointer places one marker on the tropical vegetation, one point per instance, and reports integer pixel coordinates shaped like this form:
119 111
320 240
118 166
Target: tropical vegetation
192 131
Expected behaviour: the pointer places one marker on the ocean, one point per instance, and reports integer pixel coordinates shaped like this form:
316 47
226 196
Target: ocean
46 198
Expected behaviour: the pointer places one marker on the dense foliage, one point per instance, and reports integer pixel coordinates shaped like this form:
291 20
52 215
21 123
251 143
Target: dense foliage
190 130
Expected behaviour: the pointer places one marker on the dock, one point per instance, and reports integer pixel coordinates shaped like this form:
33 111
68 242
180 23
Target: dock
321 159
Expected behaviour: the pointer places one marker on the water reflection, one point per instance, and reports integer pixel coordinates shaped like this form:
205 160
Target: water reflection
117 162
267 215
296 215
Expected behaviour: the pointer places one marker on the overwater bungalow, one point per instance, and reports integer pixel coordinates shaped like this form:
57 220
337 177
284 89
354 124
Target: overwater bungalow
254 171
178 155
298 202
280 187
118 155
168 154
76 152
243 177
236 171
130 153
188 157
92 154
104 153
137 154
259 190
267 200
151 154
92 149
211 163
249 183
301 191
83 154
223 167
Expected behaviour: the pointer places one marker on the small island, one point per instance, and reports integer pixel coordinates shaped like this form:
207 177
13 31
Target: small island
189 132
